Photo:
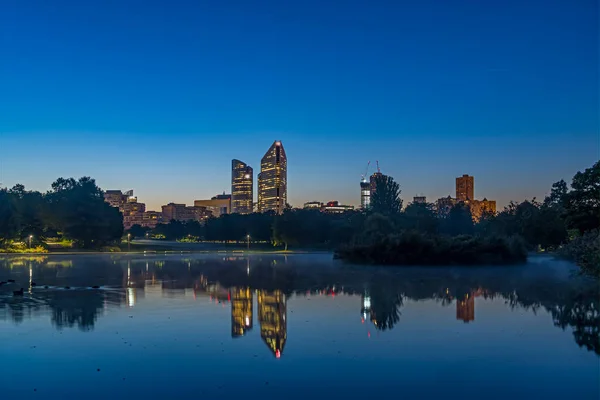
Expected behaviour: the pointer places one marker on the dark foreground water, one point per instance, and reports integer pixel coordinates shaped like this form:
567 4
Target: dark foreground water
293 327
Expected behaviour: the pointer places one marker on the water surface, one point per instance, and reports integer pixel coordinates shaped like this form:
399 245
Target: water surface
300 326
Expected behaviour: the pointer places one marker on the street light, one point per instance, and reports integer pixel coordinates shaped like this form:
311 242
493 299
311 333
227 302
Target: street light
248 242
30 237
129 242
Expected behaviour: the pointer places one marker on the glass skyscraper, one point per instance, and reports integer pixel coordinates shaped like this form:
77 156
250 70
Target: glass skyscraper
272 180
242 187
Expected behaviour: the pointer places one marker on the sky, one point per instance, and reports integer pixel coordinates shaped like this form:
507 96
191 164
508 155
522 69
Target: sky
159 96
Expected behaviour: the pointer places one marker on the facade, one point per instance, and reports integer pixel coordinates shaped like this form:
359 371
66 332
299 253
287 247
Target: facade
219 204
272 180
115 198
272 312
151 218
241 311
465 188
181 212
365 194
420 199
133 212
335 207
479 207
313 204
444 205
242 187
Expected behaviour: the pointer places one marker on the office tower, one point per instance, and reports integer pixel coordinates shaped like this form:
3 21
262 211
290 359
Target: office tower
465 188
420 199
241 187
365 194
272 180
241 311
272 312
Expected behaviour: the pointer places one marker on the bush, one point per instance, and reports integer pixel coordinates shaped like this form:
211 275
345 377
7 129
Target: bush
585 251
19 247
414 248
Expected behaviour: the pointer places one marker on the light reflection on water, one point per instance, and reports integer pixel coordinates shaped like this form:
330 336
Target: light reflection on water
274 323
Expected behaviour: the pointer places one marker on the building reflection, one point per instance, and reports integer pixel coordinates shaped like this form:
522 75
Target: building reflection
241 311
465 308
272 311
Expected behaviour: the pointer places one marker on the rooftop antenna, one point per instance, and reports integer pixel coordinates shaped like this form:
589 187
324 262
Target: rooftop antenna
378 170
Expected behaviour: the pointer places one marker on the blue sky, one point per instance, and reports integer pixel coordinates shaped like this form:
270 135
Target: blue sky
159 96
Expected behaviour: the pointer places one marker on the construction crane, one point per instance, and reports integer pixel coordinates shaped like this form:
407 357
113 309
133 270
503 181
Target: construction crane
364 177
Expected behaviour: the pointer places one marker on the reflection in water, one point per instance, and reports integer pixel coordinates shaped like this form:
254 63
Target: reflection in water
272 313
231 282
465 308
241 311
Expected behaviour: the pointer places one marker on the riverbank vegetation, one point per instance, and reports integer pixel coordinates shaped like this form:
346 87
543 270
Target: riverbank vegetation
74 212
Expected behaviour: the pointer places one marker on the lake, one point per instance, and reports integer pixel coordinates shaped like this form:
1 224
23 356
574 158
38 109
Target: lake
293 327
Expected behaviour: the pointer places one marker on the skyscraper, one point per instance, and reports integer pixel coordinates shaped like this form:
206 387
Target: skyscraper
242 187
365 194
272 180
465 188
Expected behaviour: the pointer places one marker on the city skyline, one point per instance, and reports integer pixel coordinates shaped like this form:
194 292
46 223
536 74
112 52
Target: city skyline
515 105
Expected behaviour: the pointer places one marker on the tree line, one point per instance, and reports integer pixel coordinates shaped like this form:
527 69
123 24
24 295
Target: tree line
72 209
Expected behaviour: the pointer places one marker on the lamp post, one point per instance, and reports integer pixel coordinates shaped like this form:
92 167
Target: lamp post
129 242
30 237
248 242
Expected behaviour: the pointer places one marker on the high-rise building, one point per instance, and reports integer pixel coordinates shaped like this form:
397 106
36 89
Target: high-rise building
242 187
272 311
241 311
272 180
373 181
365 194
465 188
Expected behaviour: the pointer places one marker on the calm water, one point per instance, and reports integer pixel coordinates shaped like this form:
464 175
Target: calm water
301 326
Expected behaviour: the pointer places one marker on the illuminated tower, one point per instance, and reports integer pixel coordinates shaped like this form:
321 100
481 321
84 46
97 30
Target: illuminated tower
272 180
241 311
272 312
242 187
365 194
465 188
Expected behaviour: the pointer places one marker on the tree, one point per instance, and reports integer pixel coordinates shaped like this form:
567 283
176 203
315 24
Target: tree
9 224
420 217
583 201
385 199
79 211
137 231
459 221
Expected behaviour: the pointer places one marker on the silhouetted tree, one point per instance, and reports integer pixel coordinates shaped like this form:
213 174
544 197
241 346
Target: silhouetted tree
386 197
78 210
